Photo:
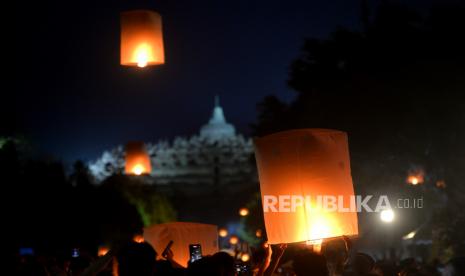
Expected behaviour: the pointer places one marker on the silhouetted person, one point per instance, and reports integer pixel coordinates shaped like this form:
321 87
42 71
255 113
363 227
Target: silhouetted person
308 263
136 259
220 264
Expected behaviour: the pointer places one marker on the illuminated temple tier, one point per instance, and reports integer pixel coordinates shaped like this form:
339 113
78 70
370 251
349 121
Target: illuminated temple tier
216 156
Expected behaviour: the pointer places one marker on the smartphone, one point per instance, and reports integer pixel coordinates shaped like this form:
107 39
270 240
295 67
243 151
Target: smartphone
195 252
164 254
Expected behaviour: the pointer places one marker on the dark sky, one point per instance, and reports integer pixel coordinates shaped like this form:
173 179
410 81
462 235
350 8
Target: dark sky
73 99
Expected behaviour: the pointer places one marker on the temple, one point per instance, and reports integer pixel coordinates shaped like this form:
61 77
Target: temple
216 157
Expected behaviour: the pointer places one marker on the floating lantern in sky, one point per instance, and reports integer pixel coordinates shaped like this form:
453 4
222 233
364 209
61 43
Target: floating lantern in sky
137 159
233 240
441 184
298 171
416 177
243 212
245 257
141 38
258 233
222 232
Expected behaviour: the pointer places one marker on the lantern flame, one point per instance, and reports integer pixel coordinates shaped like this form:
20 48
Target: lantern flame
143 54
138 169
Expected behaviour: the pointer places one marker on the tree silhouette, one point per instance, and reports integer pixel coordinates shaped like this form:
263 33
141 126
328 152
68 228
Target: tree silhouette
395 87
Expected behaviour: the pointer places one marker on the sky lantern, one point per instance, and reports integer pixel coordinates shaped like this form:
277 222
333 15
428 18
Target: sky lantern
137 159
233 240
416 177
183 234
141 38
223 232
306 186
245 257
243 212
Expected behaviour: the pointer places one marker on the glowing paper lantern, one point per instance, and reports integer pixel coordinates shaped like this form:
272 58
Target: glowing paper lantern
137 159
245 257
233 240
223 232
182 234
243 212
301 173
416 178
141 38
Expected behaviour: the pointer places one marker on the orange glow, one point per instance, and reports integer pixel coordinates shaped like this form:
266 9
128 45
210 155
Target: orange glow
102 251
243 212
415 178
306 163
223 232
258 233
139 238
142 54
233 240
141 38
245 257
137 159
138 169
441 184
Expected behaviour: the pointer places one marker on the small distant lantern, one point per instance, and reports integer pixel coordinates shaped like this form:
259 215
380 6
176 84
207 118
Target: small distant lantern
233 240
243 212
258 233
102 251
245 257
137 159
138 238
141 38
416 178
223 232
299 169
441 184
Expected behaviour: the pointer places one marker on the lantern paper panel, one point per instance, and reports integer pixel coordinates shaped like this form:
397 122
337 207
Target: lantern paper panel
137 159
183 234
141 38
305 163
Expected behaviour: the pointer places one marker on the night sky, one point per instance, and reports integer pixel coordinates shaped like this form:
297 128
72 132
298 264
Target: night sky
73 100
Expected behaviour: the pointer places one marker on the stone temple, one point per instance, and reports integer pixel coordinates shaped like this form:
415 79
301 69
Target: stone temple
215 159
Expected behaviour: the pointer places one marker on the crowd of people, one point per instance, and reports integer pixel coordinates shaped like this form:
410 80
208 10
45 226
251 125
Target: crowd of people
141 259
